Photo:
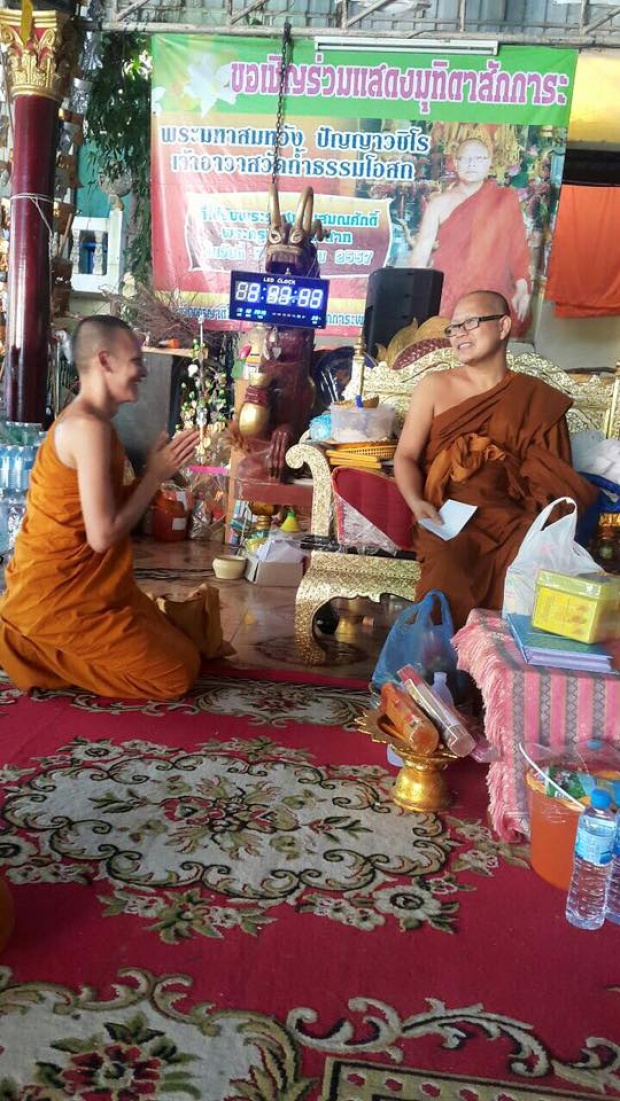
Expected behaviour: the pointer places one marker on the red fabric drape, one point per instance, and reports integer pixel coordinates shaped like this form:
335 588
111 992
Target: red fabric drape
584 269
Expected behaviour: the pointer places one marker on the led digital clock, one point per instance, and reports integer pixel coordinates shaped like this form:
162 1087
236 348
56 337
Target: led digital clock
292 300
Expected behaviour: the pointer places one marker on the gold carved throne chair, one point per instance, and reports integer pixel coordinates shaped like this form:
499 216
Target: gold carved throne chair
335 573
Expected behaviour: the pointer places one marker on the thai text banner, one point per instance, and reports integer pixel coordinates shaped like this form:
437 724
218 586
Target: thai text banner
375 135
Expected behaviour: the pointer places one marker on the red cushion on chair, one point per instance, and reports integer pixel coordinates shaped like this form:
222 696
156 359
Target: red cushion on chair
379 500
413 352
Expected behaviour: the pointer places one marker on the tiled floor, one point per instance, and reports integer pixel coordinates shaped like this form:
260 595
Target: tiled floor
259 620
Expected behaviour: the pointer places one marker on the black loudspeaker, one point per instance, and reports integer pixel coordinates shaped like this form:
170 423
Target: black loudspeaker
395 296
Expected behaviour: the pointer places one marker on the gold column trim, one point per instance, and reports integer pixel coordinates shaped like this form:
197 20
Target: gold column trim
41 49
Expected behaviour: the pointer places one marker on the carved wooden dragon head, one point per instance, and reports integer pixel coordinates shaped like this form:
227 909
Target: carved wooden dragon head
290 245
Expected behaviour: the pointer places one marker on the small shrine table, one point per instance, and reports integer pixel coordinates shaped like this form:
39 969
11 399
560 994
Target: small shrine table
529 704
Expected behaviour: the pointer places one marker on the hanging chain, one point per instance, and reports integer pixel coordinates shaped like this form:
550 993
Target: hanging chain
285 58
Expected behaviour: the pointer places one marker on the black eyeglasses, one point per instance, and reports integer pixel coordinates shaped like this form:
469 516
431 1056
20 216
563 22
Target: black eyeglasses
471 323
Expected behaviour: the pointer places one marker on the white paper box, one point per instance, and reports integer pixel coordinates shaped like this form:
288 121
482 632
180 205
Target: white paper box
283 574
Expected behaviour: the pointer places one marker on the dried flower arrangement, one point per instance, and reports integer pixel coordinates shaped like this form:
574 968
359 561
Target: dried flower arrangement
159 316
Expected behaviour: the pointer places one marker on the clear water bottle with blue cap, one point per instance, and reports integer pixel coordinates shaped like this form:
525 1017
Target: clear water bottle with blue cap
613 898
586 903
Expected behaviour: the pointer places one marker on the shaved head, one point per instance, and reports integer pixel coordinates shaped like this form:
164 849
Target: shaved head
480 142
94 335
485 302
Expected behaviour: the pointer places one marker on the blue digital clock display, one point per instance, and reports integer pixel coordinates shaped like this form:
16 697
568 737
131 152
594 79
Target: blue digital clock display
294 300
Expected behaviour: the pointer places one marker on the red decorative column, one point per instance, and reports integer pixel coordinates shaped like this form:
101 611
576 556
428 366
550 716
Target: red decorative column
40 48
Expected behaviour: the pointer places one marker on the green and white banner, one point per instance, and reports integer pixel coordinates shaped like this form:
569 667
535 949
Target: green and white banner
416 160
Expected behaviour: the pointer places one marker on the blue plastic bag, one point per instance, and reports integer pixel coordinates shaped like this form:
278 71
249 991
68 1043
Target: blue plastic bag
608 500
417 639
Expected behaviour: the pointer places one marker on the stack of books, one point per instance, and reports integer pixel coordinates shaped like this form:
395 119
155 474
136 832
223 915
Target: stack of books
542 648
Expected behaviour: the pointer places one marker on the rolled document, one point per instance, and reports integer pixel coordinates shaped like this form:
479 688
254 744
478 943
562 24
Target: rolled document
454 735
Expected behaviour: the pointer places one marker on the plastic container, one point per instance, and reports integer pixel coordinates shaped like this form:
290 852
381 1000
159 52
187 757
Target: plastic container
24 432
28 456
613 899
5 467
553 829
320 428
440 687
353 425
229 568
413 726
170 513
4 523
585 607
587 897
453 733
16 512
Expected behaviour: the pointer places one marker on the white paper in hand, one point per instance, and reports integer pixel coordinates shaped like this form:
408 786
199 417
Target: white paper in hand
455 515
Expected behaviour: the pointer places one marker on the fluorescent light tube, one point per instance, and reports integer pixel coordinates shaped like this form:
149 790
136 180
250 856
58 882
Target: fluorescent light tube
353 44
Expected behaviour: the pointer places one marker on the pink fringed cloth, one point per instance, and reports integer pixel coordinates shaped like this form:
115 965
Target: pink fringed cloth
529 704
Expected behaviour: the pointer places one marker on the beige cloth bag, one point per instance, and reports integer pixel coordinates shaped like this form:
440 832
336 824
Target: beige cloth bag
197 615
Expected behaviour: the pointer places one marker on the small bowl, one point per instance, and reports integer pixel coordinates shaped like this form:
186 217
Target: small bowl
230 568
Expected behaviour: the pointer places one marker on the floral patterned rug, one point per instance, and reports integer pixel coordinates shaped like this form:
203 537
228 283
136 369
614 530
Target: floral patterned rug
217 899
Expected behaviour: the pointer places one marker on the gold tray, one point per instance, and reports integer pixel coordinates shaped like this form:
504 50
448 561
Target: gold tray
379 449
420 784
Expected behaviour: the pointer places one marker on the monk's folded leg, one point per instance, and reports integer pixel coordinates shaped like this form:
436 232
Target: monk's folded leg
471 568
26 664
150 659
451 574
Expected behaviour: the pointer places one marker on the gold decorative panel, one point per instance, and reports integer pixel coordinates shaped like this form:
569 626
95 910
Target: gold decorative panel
41 49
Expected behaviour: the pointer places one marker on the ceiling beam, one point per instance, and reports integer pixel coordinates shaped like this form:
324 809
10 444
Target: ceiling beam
577 40
599 22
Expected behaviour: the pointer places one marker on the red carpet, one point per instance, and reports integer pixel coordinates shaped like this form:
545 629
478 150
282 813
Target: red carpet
217 900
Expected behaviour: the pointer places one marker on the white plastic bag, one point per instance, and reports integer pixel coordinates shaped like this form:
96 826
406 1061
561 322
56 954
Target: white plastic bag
553 548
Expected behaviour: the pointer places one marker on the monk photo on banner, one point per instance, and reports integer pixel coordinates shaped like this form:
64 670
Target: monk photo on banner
479 221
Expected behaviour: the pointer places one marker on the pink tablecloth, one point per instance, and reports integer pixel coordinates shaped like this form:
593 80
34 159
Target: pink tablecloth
529 704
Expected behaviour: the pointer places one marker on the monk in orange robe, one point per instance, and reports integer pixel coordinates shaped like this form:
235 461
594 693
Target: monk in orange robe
474 233
489 437
72 613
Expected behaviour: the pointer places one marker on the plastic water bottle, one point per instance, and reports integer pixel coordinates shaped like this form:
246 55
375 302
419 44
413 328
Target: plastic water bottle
440 687
613 898
16 510
587 896
4 523
5 467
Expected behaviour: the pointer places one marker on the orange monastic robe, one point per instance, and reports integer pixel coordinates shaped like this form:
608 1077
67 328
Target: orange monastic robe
71 616
507 451
482 245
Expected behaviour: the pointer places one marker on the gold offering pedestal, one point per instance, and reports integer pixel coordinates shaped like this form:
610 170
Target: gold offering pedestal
420 784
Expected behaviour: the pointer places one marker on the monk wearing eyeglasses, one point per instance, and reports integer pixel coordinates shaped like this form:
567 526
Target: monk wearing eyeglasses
72 613
474 233
486 436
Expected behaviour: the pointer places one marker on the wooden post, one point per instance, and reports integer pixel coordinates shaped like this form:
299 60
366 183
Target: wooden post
41 49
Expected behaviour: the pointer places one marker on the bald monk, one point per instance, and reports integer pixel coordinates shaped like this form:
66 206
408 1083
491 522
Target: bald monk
72 613
474 232
489 437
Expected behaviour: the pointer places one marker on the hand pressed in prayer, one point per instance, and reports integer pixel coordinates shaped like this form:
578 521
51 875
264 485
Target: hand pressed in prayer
167 456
